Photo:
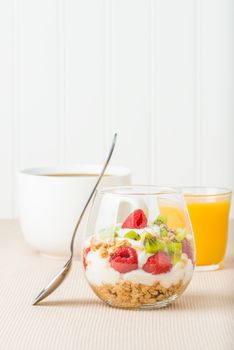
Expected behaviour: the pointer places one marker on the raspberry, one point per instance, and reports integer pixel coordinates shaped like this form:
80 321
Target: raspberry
158 263
137 219
186 248
85 253
124 259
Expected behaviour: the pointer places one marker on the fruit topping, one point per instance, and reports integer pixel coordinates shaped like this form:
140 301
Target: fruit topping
152 245
148 235
124 259
137 219
181 233
158 263
133 235
161 219
109 232
85 253
175 250
186 248
163 232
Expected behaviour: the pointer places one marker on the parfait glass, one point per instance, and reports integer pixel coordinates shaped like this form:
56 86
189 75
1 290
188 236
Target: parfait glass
135 255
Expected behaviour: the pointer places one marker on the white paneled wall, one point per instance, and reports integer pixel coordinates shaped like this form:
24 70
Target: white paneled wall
159 72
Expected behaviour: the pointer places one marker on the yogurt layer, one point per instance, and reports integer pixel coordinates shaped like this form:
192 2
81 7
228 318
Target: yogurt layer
99 271
176 275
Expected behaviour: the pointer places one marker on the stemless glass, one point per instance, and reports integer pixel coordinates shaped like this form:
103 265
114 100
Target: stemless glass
209 212
134 255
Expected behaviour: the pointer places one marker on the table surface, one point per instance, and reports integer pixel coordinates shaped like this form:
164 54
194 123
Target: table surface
73 317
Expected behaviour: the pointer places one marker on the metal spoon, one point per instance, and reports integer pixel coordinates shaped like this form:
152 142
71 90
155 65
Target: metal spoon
60 276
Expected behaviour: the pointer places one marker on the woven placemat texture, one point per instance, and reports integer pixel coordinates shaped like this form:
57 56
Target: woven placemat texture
74 318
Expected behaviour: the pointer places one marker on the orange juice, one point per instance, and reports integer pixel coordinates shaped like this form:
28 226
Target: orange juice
209 213
175 216
210 226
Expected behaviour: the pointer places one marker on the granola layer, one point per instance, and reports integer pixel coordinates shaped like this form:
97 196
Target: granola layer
133 295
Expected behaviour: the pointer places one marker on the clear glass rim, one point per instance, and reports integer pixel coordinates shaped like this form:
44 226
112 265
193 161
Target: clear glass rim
205 191
139 190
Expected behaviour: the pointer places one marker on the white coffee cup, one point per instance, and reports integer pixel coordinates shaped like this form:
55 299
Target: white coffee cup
52 198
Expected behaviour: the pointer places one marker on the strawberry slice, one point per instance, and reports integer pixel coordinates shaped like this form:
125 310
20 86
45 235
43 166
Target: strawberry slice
137 219
85 253
158 263
187 249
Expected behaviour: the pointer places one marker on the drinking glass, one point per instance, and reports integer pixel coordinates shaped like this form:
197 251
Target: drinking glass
209 212
133 254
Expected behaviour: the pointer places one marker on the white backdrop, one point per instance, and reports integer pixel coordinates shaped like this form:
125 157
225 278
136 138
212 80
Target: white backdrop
159 72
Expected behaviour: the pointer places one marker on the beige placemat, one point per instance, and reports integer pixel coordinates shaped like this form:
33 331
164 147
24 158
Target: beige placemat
73 318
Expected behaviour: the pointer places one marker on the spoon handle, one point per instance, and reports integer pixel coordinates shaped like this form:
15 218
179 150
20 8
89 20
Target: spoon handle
92 193
61 275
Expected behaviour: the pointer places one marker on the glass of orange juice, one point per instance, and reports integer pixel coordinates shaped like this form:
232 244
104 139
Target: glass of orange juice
209 213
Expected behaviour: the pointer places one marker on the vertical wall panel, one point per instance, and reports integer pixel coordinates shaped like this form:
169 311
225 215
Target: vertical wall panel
84 74
38 82
6 120
129 83
217 91
159 72
175 91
